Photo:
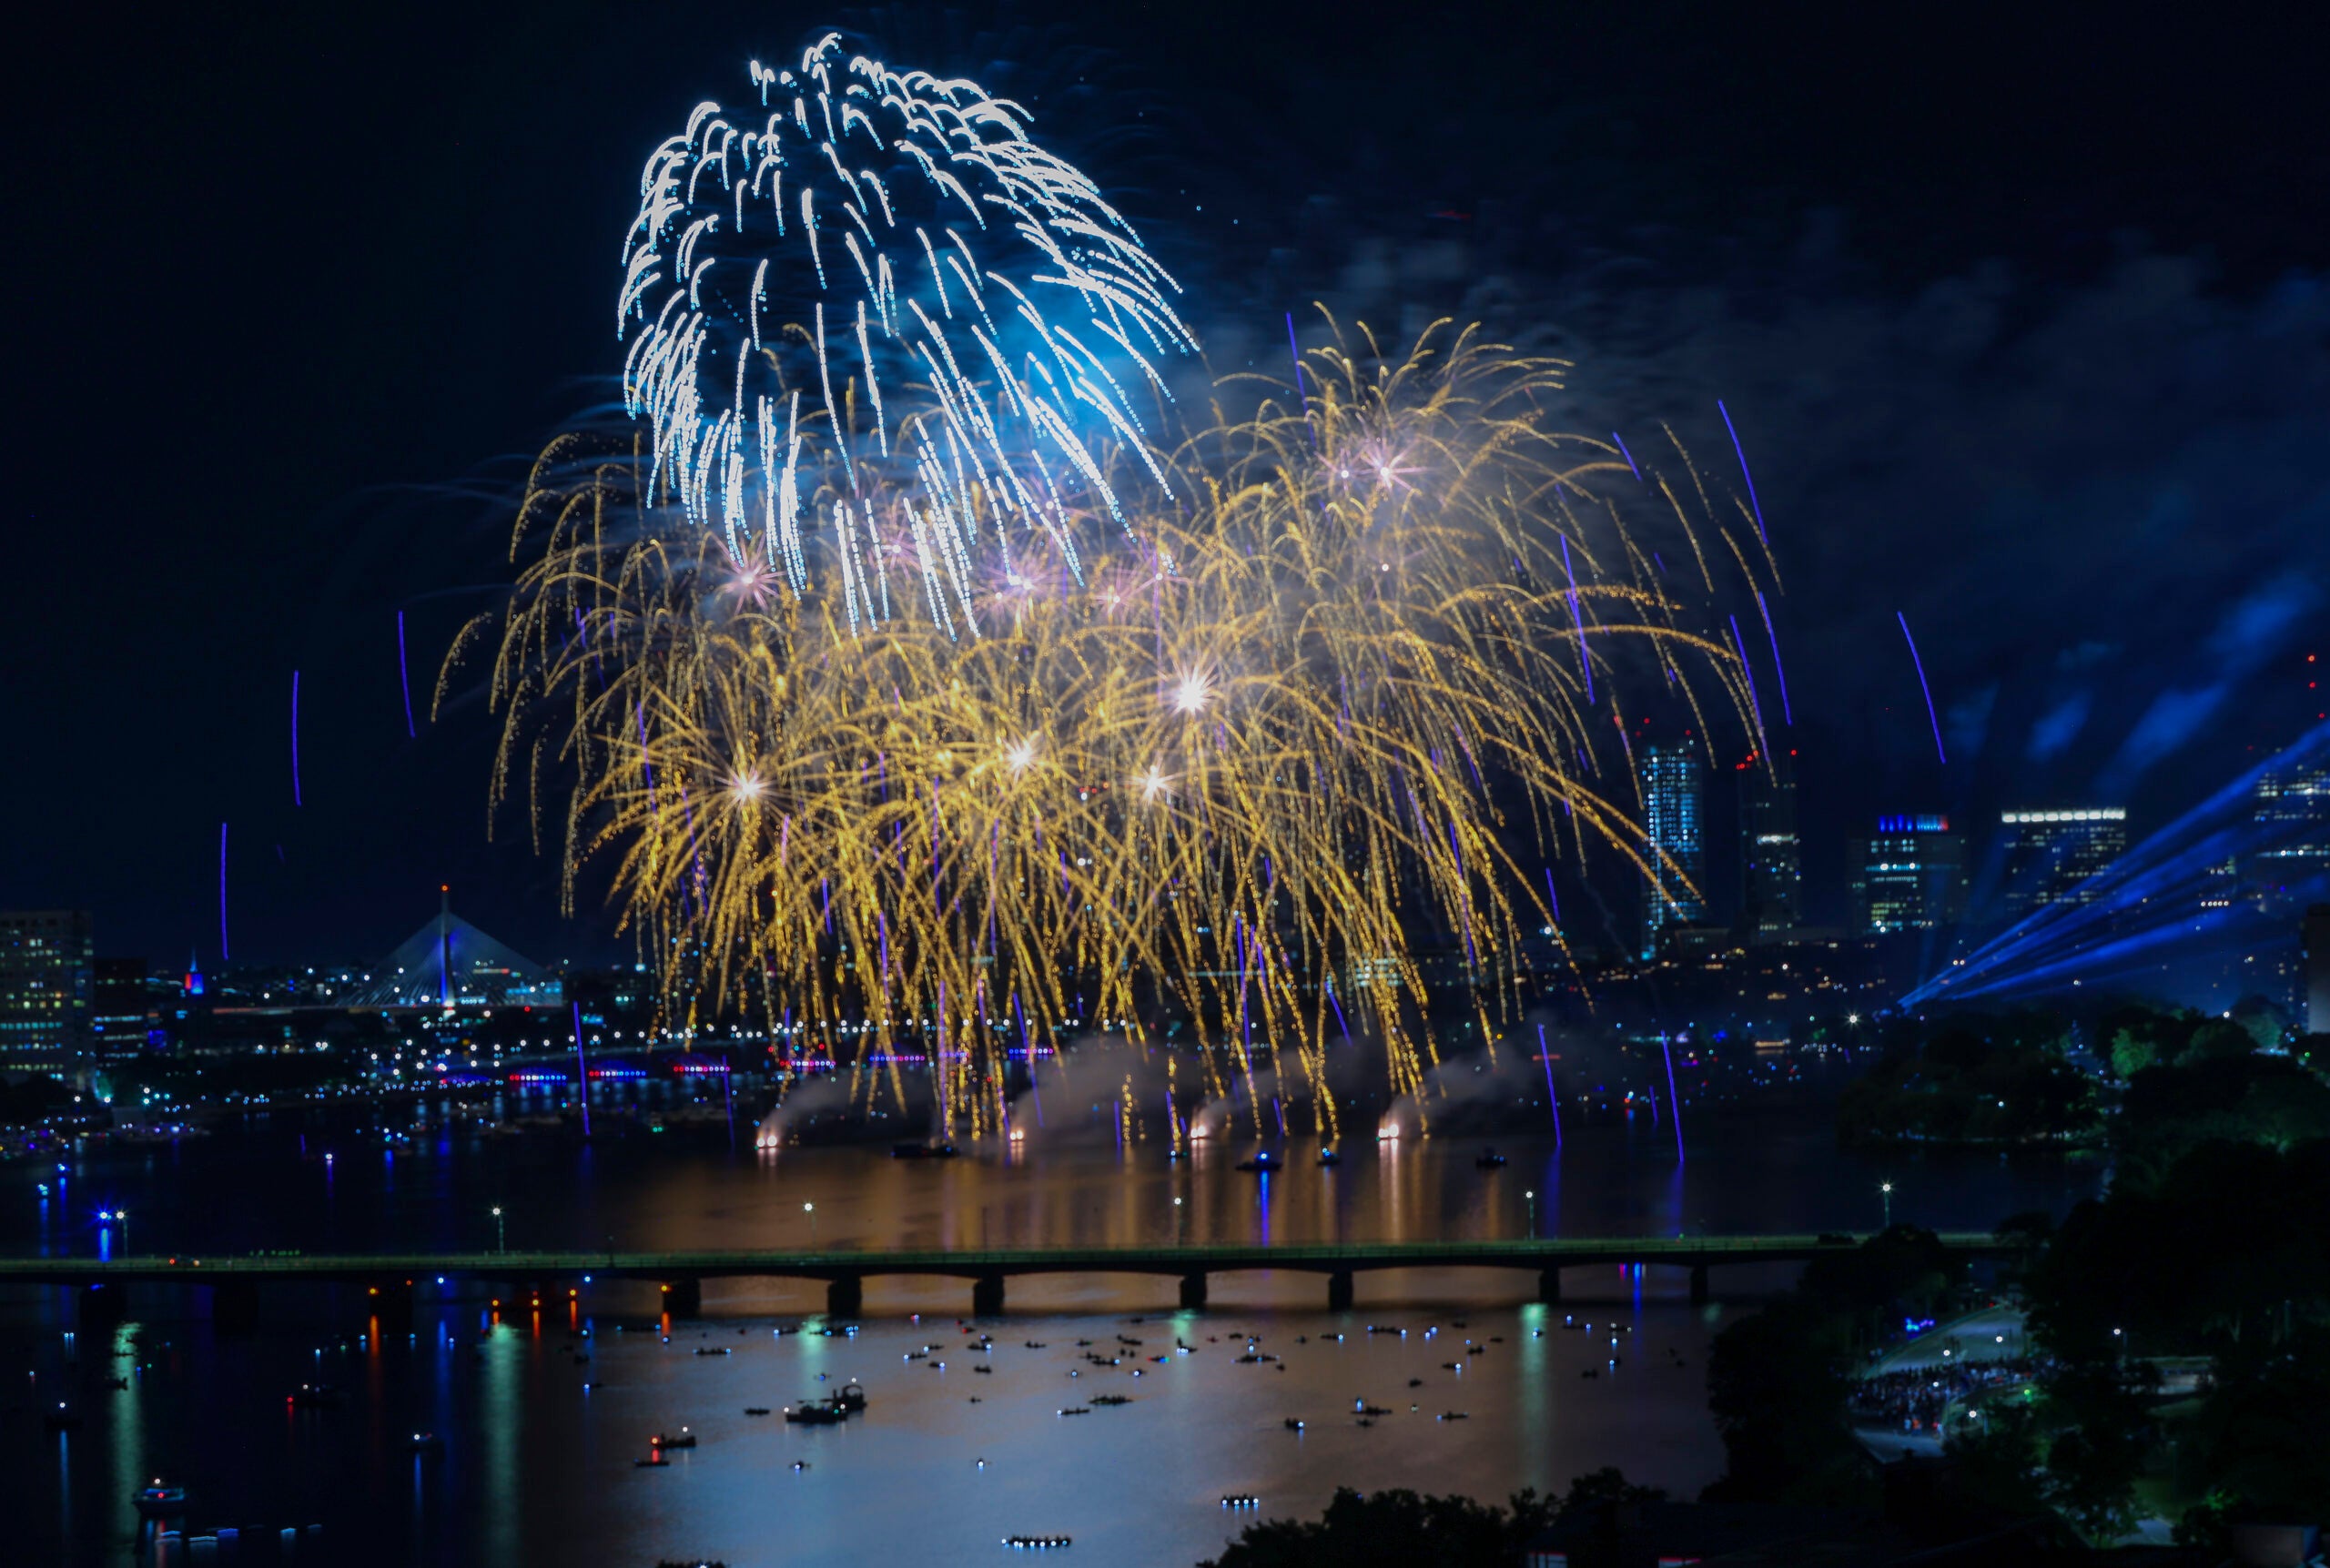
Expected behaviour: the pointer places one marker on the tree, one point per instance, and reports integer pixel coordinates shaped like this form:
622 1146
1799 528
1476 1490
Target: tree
1397 1529
1776 1385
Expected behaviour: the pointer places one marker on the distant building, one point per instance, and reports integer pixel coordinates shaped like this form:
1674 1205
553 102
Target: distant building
1675 845
122 1010
1771 862
1910 875
2318 969
2292 818
45 983
2051 854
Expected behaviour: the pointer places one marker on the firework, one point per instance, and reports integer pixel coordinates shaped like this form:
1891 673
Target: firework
877 330
1325 709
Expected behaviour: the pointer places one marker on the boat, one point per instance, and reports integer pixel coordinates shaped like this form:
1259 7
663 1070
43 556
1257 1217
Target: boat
1294 1423
1329 1156
61 1419
161 1501
852 1397
1264 1163
316 1396
815 1413
428 1443
1242 1500
713 1350
1037 1543
1111 1399
756 1410
1490 1159
685 1440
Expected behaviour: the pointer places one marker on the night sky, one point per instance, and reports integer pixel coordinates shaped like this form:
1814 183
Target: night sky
2023 322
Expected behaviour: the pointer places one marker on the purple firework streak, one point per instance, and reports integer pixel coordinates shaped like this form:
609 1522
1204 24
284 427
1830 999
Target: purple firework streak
1673 1102
1626 454
1753 707
404 679
295 737
1578 617
1778 669
1742 453
1553 1096
1921 665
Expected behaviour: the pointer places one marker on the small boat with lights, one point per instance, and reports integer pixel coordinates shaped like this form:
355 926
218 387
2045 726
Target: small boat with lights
1262 1163
160 1500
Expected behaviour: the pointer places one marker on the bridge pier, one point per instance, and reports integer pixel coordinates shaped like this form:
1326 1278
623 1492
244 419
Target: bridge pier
1339 1290
987 1296
1699 1291
684 1298
1549 1286
845 1297
234 1307
1193 1292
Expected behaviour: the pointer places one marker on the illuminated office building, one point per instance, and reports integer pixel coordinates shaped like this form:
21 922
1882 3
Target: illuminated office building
1673 819
2051 854
1771 865
44 981
1909 875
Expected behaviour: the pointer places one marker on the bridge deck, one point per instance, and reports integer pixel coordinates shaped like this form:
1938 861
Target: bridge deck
845 1263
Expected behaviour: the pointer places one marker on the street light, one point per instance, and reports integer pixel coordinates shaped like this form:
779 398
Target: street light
500 1235
810 1210
1887 1189
1532 1196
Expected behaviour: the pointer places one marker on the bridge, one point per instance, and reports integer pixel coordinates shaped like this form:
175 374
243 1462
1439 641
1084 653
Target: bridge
236 1280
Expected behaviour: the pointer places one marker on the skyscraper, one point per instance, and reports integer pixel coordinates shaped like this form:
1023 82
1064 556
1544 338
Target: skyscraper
1910 875
1771 865
44 990
1673 844
2292 818
2051 854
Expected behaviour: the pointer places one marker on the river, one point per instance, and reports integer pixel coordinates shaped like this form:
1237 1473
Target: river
543 1414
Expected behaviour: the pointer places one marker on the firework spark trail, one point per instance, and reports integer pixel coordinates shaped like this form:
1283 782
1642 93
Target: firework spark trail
295 738
582 1068
1005 303
1140 785
1631 465
1749 674
1787 716
1742 453
1920 665
1674 1100
1553 1096
404 681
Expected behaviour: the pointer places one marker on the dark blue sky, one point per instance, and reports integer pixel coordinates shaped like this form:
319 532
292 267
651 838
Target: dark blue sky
2023 321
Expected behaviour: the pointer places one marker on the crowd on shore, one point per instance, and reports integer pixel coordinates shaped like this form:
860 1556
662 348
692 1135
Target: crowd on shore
1913 1401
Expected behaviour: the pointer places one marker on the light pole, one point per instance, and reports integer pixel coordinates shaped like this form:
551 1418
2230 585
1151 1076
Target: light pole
500 1235
1177 1222
1532 1196
1885 1190
810 1210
